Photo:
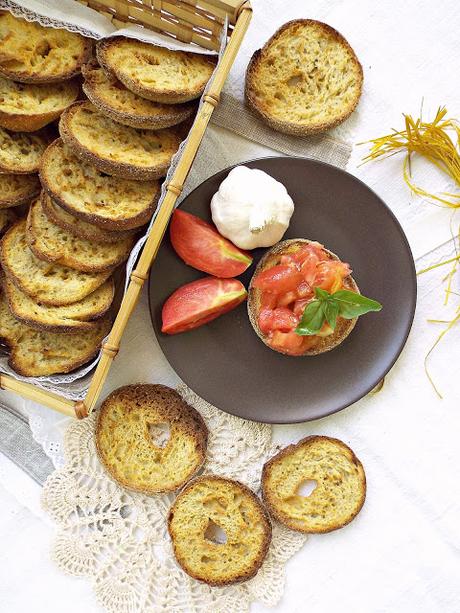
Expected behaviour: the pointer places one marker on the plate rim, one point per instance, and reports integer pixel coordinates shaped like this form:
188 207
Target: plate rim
414 292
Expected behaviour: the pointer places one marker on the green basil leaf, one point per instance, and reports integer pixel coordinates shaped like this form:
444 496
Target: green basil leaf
321 294
331 311
312 319
352 304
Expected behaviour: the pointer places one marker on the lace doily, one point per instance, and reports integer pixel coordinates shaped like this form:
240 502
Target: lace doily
119 540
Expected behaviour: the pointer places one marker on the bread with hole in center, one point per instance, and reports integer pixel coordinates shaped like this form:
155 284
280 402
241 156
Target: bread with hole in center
116 101
149 439
209 504
116 149
20 152
89 194
340 485
156 73
27 107
51 243
32 53
17 189
306 79
34 353
44 282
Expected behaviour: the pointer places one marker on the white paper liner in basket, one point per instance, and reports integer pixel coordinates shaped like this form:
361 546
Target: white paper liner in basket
119 541
73 16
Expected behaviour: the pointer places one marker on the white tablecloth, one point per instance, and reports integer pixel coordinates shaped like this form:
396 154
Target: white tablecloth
401 553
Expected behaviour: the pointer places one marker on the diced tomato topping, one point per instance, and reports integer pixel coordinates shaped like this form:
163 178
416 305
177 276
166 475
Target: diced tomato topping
304 290
330 275
268 299
291 343
285 300
278 279
299 306
309 268
280 318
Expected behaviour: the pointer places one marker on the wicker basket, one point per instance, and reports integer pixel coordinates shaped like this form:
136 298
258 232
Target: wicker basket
199 22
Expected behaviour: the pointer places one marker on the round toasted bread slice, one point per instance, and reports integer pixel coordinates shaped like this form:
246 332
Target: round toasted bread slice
79 228
89 194
18 189
209 504
70 318
20 152
306 79
136 418
51 243
31 53
116 101
29 107
37 354
272 258
44 282
328 465
7 219
118 150
156 73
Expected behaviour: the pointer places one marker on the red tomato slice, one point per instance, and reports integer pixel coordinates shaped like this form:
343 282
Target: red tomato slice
291 343
200 245
199 302
280 318
278 279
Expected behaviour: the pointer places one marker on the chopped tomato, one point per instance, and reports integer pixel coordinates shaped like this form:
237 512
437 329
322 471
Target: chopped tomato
304 290
299 306
309 268
330 275
268 299
280 318
291 343
285 300
278 279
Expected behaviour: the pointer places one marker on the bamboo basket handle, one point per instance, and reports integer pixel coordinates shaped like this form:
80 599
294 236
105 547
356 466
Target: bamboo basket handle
174 188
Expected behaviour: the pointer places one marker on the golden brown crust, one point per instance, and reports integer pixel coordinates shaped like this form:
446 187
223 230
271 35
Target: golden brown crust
164 116
267 494
110 165
171 408
263 514
271 258
163 95
104 222
18 189
287 127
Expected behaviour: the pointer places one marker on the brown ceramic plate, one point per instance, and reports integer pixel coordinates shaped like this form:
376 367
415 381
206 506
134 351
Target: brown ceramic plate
225 363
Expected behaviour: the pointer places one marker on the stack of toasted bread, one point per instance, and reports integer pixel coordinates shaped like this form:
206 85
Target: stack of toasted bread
70 207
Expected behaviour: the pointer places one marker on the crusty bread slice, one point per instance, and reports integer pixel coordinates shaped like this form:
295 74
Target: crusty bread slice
31 53
212 502
17 189
44 282
340 485
37 354
51 243
116 149
70 318
29 107
87 193
79 228
7 219
20 152
306 79
156 73
116 101
130 434
272 258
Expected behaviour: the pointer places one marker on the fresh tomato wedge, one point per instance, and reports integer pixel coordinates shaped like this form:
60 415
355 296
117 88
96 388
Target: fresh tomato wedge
291 343
278 279
280 318
200 245
199 302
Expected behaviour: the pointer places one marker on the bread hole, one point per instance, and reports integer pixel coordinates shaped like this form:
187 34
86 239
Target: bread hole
43 48
294 80
306 488
160 434
215 534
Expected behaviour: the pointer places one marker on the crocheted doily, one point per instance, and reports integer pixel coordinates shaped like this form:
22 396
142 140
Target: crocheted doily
119 540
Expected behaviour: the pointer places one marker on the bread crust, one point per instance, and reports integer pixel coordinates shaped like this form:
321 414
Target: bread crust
287 127
286 452
134 222
343 327
110 167
266 538
164 119
30 122
179 411
165 96
7 219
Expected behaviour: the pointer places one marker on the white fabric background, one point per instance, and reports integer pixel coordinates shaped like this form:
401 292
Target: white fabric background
402 552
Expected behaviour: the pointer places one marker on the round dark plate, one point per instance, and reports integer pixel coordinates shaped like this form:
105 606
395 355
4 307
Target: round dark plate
225 363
